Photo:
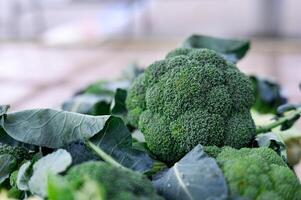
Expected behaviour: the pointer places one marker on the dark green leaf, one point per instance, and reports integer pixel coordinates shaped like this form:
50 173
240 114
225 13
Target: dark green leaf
289 123
53 163
195 176
118 105
271 140
268 96
90 104
8 163
115 139
106 88
231 50
51 128
80 152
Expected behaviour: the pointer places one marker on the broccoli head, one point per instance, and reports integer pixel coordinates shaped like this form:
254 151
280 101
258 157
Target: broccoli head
191 97
19 153
257 173
117 183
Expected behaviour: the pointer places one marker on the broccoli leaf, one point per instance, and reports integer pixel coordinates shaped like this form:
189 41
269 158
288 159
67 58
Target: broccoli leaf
195 176
118 104
51 128
272 140
106 88
231 50
24 176
90 104
115 139
53 163
268 95
80 152
8 164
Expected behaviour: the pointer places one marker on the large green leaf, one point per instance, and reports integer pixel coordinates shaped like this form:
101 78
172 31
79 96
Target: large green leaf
53 163
231 50
8 164
195 176
115 139
51 128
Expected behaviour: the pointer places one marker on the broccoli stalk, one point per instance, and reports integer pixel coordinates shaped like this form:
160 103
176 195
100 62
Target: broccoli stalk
103 155
292 116
157 166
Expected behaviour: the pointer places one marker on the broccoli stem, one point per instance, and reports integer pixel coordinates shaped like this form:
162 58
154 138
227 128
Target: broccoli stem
267 128
103 155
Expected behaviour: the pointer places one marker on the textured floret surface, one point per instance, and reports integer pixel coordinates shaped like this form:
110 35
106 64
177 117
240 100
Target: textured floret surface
191 97
118 183
257 173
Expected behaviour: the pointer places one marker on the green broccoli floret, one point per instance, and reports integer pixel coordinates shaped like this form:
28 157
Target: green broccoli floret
117 183
19 153
191 97
13 179
212 151
258 173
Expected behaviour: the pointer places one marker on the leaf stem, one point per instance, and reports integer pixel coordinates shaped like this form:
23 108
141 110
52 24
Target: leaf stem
103 155
158 166
278 122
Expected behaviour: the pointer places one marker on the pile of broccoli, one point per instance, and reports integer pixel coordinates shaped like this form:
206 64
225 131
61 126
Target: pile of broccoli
192 96
117 183
256 173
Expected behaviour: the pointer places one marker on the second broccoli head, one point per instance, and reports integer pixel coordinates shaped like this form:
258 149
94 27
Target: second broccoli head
100 180
191 97
256 173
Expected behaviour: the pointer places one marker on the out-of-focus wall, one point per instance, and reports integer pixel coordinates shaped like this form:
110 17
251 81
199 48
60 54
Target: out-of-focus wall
224 18
158 18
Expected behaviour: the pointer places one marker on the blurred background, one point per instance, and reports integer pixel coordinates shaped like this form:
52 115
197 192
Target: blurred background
49 49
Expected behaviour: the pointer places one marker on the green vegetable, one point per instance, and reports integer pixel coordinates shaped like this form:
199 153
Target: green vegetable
19 153
117 183
193 96
258 173
10 158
